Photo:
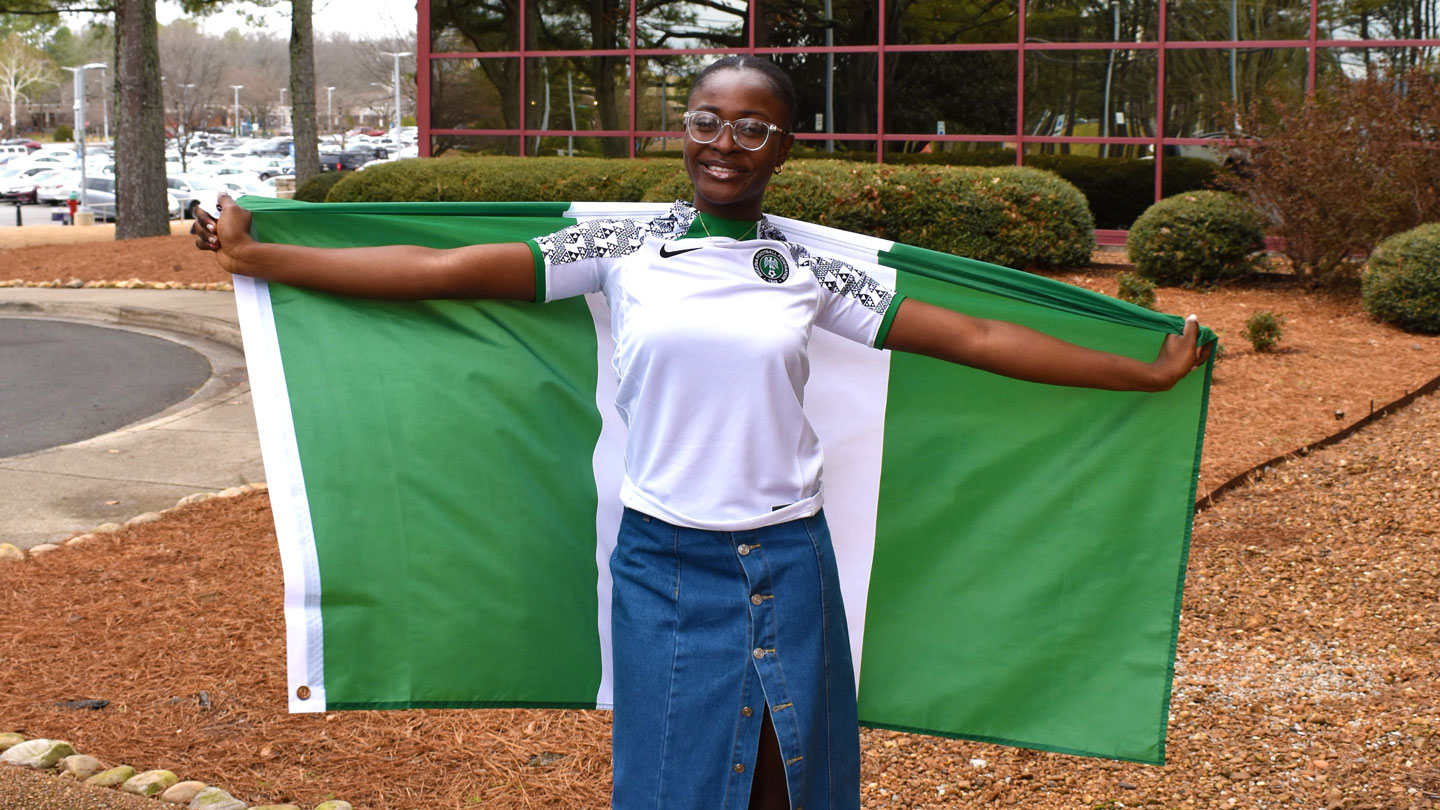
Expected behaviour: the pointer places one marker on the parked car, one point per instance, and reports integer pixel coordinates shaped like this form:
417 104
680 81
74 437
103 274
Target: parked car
192 190
21 187
238 186
57 187
100 195
351 159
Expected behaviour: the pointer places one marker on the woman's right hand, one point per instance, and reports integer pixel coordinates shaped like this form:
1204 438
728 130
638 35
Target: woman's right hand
225 234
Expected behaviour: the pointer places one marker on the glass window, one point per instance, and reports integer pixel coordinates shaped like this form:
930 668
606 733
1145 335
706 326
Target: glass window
1204 88
1389 19
1359 61
1109 93
1209 20
577 26
847 80
787 24
472 25
694 25
1115 21
457 145
931 22
591 91
474 93
978 96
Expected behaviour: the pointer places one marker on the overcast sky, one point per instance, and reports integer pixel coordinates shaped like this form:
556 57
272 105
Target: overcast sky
370 19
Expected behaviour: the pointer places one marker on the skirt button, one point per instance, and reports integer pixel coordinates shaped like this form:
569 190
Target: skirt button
743 549
739 767
758 653
746 711
756 599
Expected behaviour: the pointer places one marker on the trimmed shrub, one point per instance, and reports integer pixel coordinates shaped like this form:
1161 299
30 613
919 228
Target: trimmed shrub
1136 289
1199 237
1401 285
1019 217
1118 190
315 189
1264 329
63 134
505 179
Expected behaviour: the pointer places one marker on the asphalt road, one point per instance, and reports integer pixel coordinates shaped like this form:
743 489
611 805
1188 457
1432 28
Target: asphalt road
29 214
62 382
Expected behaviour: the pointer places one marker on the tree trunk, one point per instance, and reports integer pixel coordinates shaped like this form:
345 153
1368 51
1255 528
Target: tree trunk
141 208
302 91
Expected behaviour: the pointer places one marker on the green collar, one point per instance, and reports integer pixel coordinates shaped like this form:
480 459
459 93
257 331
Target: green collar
706 225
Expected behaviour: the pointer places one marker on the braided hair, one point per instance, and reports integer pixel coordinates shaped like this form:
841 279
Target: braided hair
780 82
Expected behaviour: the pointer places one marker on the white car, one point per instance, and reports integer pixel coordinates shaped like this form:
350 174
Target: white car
22 185
268 167
193 191
237 186
100 194
57 187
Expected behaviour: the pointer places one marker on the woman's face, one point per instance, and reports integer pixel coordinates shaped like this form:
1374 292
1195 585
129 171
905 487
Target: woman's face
730 181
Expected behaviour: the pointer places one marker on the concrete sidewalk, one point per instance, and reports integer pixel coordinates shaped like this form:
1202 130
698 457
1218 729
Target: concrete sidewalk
205 443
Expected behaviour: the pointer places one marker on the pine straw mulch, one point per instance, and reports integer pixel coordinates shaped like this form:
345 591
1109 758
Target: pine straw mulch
1306 675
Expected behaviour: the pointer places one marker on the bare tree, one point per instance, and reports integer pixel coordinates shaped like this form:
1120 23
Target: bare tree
191 64
140 204
21 68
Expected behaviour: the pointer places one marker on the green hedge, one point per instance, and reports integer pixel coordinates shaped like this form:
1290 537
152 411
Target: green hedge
316 188
1401 284
1198 237
1019 217
1117 189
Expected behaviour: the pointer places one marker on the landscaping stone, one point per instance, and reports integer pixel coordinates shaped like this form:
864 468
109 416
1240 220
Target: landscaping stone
8 739
213 798
183 792
334 804
9 551
113 777
80 766
38 754
43 548
150 783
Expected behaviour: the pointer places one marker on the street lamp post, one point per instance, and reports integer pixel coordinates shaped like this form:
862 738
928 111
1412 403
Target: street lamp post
79 73
330 107
395 79
237 88
281 112
105 102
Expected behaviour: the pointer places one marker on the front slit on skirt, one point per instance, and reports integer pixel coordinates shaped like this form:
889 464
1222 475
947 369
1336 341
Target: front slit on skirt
708 629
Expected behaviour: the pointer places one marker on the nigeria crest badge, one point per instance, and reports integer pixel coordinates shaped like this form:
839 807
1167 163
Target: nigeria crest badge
771 266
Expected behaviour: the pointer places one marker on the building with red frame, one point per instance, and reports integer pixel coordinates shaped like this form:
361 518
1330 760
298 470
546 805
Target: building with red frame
1003 78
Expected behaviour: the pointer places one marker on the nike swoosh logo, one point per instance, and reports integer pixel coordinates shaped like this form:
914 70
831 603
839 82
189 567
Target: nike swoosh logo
667 254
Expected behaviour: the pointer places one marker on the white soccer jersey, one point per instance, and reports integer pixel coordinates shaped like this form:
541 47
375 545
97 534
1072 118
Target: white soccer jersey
711 352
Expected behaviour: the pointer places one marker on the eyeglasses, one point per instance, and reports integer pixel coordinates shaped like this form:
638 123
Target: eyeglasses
749 134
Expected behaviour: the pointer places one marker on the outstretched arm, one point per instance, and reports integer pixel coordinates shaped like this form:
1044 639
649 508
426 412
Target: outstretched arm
408 272
1020 352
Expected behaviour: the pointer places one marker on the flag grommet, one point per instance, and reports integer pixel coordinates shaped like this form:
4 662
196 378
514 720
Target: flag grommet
303 693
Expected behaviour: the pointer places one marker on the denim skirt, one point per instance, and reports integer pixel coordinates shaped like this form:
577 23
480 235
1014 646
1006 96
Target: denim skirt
709 629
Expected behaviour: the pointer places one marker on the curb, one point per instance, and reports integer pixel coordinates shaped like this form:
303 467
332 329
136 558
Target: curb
215 329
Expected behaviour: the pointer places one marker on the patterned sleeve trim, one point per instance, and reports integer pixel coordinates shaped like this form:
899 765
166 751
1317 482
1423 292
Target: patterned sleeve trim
596 239
844 279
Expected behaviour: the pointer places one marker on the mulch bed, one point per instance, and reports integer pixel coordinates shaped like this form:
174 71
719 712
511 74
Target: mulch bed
1306 674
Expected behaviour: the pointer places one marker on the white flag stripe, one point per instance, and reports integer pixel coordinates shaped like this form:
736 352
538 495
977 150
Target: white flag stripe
304 630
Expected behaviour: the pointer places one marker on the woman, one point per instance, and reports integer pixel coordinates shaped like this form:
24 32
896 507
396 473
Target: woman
733 679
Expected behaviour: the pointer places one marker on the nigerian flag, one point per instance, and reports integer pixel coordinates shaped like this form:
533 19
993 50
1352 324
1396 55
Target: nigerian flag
444 478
